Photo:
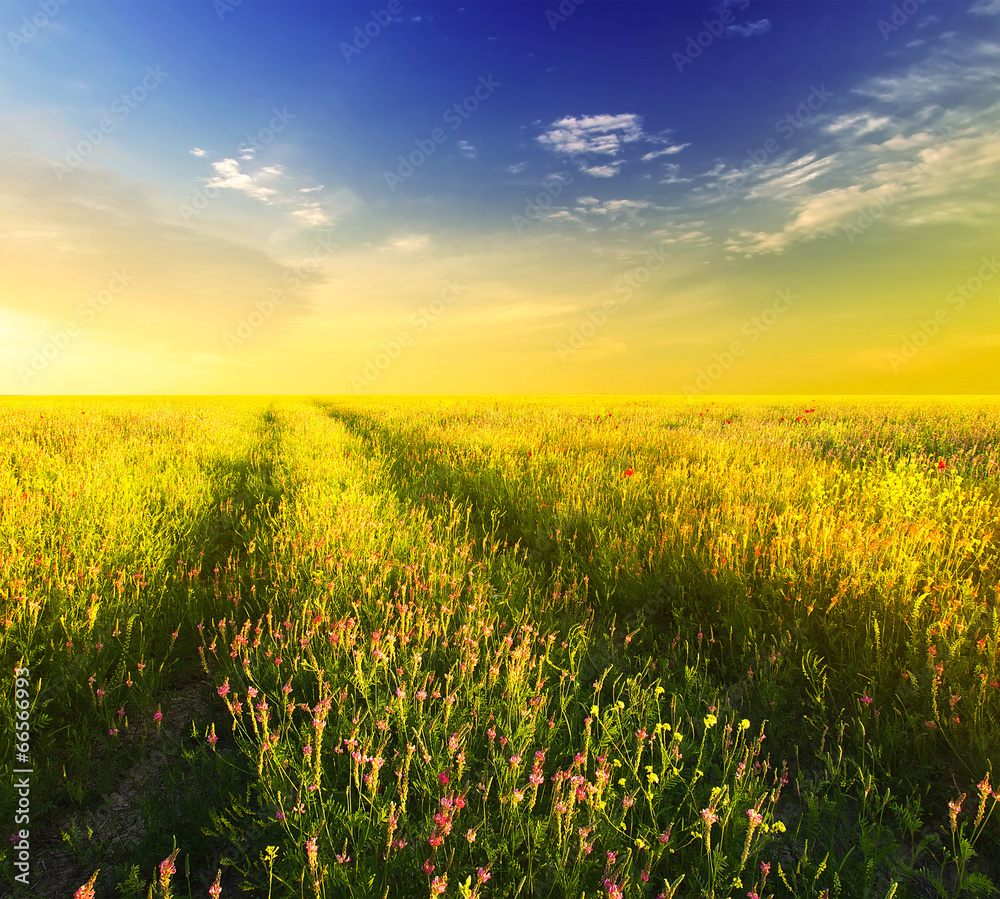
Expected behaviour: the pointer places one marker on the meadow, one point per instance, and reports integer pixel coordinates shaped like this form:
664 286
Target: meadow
499 647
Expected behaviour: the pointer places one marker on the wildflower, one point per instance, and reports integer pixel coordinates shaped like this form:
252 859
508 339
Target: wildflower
629 472
755 817
428 867
953 809
212 738
483 874
215 890
470 835
87 890
612 889
443 778
709 816
167 870
710 721
224 689
744 724
439 885
157 717
984 794
867 700
942 465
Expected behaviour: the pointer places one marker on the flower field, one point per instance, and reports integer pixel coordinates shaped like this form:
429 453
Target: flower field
601 647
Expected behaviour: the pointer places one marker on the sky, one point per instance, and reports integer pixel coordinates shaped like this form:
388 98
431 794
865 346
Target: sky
525 197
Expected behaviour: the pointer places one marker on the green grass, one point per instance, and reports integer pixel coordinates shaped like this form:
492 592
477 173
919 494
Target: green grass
505 648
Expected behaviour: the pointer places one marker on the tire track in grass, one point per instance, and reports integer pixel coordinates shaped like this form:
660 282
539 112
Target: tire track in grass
530 553
169 786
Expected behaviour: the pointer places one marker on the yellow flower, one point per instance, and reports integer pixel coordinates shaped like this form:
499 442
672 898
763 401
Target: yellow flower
677 735
595 711
779 826
652 778
621 781
744 724
710 721
660 690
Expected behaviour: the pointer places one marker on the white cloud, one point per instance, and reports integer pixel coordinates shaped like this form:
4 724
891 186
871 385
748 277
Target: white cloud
265 184
986 8
584 138
229 177
197 151
411 243
467 150
670 174
312 215
602 171
603 135
667 151
922 146
750 29
858 123
517 168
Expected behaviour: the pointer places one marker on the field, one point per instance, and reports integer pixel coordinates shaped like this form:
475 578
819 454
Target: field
602 647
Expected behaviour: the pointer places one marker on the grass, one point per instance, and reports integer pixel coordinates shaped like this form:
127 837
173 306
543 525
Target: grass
503 648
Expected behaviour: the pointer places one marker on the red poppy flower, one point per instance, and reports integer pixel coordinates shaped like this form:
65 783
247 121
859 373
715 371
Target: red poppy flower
629 472
942 465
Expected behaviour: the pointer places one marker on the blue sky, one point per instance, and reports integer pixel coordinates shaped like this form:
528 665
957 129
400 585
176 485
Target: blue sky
743 169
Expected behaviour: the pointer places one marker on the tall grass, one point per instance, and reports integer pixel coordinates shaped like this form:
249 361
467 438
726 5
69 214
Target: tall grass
503 648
